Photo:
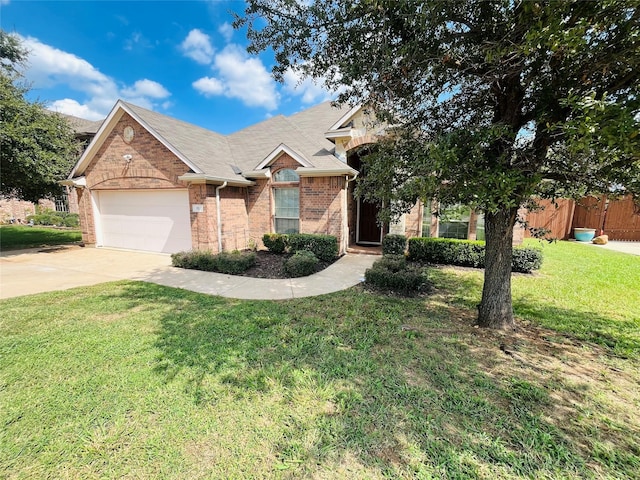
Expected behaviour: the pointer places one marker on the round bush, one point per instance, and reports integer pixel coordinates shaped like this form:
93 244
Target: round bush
275 242
392 273
301 264
394 244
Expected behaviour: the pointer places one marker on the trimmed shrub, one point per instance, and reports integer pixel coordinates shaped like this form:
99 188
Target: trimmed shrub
195 260
525 259
394 263
466 253
225 262
325 247
235 262
301 264
391 273
394 244
275 242
447 251
71 220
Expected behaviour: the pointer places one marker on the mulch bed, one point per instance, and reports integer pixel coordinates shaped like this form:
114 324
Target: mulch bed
271 265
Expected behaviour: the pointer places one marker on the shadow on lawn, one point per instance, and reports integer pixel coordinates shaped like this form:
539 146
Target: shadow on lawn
465 288
396 382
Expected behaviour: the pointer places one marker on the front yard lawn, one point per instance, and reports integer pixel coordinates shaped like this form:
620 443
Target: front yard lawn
13 237
137 380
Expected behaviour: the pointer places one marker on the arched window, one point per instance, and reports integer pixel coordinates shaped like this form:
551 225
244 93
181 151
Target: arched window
286 202
286 175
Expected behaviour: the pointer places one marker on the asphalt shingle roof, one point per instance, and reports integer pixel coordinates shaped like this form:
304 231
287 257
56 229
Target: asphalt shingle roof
216 154
208 150
82 126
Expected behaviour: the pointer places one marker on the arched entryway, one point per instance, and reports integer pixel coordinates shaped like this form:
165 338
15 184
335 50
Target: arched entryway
362 215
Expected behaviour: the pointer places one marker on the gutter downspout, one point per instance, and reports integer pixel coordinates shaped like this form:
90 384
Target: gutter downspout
218 188
345 227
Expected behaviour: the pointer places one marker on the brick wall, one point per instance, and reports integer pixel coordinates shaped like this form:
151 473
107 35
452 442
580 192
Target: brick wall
87 223
235 220
413 221
321 205
259 210
202 236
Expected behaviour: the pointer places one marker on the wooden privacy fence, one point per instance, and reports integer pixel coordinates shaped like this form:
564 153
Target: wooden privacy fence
556 220
618 217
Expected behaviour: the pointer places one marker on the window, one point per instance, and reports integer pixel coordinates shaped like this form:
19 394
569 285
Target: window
287 210
62 203
480 227
426 219
454 221
286 175
287 202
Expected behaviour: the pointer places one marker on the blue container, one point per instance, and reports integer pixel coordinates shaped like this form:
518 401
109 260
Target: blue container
584 234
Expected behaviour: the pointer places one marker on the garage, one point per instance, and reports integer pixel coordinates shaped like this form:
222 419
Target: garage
153 221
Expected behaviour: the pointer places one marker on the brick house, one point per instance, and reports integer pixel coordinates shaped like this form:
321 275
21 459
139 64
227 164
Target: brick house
151 182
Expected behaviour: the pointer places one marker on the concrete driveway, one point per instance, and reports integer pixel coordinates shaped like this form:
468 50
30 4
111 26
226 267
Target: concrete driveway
24 272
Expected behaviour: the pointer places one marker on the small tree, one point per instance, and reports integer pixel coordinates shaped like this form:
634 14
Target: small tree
37 147
497 101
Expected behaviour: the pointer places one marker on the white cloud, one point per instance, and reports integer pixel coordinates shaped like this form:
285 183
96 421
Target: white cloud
197 46
226 30
72 107
49 66
209 86
242 77
146 88
311 90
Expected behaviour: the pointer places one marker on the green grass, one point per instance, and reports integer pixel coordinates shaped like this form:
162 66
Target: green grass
13 237
582 290
137 380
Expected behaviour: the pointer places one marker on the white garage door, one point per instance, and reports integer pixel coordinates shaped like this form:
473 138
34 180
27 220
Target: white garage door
155 221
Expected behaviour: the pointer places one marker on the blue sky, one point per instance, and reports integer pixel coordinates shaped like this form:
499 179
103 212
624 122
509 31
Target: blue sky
180 58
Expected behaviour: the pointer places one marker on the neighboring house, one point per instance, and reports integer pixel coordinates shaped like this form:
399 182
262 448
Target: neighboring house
14 210
152 182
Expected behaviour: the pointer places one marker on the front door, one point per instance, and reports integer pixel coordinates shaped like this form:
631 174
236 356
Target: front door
368 231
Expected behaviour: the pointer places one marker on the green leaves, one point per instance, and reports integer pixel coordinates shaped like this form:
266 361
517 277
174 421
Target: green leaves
37 147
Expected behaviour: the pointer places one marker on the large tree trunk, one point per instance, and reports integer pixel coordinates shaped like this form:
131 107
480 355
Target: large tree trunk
495 309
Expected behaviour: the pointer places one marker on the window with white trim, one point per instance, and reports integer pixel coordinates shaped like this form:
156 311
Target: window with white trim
286 201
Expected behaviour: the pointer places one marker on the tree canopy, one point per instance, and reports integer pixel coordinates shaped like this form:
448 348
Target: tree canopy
492 102
37 147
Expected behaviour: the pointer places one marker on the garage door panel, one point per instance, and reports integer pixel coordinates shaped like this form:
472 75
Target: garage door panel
156 221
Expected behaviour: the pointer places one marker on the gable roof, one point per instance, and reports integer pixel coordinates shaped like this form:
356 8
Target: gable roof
213 157
303 133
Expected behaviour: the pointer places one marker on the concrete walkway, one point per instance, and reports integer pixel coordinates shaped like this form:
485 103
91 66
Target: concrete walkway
32 271
632 248
346 272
